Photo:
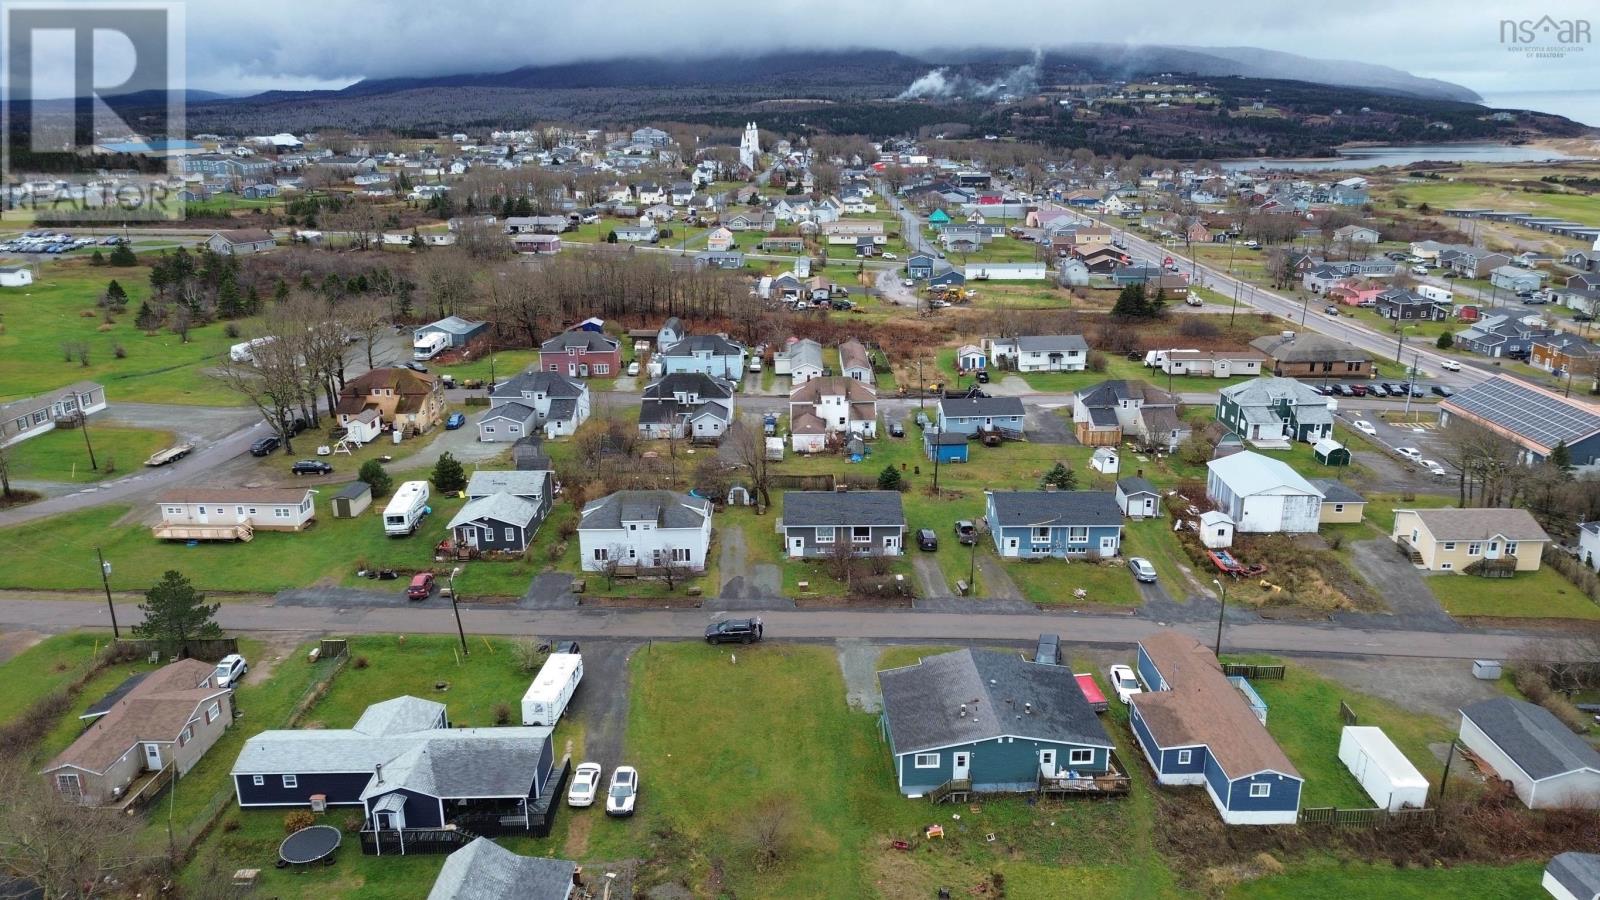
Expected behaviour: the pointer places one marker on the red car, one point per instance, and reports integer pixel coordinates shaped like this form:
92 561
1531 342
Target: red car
421 587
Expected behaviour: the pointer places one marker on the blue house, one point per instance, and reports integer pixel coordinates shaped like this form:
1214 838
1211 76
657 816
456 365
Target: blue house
1199 727
708 354
407 769
944 446
990 722
948 277
1062 524
919 266
970 415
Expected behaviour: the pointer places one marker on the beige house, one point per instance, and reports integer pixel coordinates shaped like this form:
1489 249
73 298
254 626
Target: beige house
168 718
412 402
1450 540
1340 504
229 514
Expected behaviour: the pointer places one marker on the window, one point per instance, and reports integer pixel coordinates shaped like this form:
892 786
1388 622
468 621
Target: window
602 368
860 535
258 780
511 534
174 510
926 761
1041 535
1447 566
291 781
1080 757
1474 548
280 512
488 429
1449 545
1494 546
186 736
1077 534
1185 756
1511 548
1261 789
213 712
600 554
824 535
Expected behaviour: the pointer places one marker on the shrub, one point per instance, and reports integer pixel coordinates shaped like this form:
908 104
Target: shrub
1097 361
119 351
502 713
1197 327
230 824
231 330
360 662
298 820
527 654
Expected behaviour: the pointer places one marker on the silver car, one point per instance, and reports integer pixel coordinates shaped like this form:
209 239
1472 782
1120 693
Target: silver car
1142 570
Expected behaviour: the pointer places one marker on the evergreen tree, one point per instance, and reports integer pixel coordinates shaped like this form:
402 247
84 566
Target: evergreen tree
175 614
146 319
1131 303
1157 306
611 237
116 297
97 259
417 243
281 292
229 304
122 255
1061 478
373 473
448 475
1561 457
1446 341
889 479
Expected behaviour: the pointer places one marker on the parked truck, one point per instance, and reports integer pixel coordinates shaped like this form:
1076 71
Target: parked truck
406 509
552 689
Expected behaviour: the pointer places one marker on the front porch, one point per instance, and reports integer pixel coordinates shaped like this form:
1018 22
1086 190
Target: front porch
488 817
1114 782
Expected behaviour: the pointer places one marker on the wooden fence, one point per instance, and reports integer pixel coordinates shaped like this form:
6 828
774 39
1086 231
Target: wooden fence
1259 673
1348 714
1375 817
803 482
209 650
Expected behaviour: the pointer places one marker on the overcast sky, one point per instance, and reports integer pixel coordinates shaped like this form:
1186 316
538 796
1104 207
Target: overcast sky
266 44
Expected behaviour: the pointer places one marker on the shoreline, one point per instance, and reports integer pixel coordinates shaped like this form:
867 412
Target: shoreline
1585 149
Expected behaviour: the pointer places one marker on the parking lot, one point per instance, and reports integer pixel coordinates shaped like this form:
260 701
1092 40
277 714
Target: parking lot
1423 436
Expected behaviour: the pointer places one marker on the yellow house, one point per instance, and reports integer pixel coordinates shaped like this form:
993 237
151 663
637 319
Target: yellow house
1446 540
1340 504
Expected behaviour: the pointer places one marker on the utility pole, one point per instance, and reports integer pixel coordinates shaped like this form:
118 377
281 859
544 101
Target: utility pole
83 425
1223 609
457 610
105 580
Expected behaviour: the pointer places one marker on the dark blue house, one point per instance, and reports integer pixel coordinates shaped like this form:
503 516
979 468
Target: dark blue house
950 277
405 766
1055 523
1197 726
989 722
944 446
919 266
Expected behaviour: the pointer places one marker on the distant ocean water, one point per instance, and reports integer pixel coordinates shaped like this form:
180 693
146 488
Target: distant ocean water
1577 105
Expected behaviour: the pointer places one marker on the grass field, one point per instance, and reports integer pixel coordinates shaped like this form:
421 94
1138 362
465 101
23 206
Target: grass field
1544 594
45 668
61 455
1357 881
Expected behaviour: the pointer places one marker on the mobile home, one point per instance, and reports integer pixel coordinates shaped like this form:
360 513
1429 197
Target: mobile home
245 351
430 345
552 689
409 505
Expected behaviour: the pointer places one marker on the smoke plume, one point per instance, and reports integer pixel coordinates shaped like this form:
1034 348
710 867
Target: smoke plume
942 84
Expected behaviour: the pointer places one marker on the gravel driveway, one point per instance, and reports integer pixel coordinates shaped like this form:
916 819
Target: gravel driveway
601 701
1399 583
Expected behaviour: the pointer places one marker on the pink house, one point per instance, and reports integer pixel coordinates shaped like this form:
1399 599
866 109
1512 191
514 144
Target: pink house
1353 294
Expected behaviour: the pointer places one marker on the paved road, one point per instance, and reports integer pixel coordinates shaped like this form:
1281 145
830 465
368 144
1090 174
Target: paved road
821 624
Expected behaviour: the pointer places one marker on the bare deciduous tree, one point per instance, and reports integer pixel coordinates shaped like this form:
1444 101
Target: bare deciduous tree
746 447
65 849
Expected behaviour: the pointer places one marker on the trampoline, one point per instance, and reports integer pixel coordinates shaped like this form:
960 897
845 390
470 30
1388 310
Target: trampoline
317 843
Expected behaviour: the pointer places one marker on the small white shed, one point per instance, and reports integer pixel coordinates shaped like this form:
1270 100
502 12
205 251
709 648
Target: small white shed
1105 460
1216 530
1384 772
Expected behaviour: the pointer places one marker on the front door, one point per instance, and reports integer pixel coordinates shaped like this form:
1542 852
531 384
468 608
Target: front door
572 370
1011 546
1047 763
891 546
471 534
961 766
152 756
797 547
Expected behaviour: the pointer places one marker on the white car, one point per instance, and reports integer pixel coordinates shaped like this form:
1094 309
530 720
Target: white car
1365 427
1142 570
230 669
1450 365
890 256
1433 468
624 791
1123 682
1410 453
585 784
907 283
633 367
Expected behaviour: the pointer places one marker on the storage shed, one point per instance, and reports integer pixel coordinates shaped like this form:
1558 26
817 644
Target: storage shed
1216 530
1330 452
352 500
945 446
1105 460
1548 766
1385 774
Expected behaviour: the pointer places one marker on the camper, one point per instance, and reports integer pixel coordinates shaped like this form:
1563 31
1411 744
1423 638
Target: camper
552 689
430 345
409 505
1384 772
1436 294
245 352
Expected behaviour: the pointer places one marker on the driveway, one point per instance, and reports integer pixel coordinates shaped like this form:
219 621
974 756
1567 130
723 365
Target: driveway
858 662
930 578
1394 578
601 702
745 586
997 583
1046 425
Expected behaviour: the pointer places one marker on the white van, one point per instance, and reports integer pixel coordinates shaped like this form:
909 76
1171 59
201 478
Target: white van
406 509
552 689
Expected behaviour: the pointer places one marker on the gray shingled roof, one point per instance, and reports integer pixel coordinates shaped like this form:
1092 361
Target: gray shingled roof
1062 508
666 508
1481 523
515 411
1335 491
808 509
459 762
483 870
697 343
550 384
700 383
1579 873
499 507
1045 343
582 340
980 407
1133 484
1533 737
399 715
922 703
506 481
1304 347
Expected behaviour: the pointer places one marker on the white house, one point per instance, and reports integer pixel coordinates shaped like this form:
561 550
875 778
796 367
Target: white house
1262 494
232 513
1589 544
709 354
532 401
827 406
1548 766
645 529
33 416
801 361
1040 353
15 276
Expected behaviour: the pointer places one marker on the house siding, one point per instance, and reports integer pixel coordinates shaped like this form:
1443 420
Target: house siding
339 787
998 765
971 424
421 810
1060 544
873 547
491 533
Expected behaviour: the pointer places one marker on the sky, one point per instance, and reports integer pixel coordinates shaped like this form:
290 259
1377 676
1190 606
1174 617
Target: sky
242 47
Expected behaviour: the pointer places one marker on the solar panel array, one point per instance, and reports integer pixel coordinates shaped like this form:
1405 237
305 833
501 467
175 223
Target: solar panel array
1537 416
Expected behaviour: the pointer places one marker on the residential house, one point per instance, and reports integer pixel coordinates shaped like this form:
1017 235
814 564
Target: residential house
16 276
1589 544
536 243
920 266
1502 336
1039 353
458 332
1263 495
1516 278
1341 505
637 234
1475 262
1062 524
240 242
580 353
1406 306
1294 355
533 401
991 722
720 240
801 361
1208 363
713 259
1111 411
1197 726
971 358
1464 540
1348 192
1547 765
974 415
153 721
686 405
504 510
227 514
33 416
815 523
1072 272
407 769
848 231
483 870
645 530
708 354
1137 498
1536 419
1562 352
1273 412
1572 876
824 407
551 225
946 276
854 361
405 401
1355 234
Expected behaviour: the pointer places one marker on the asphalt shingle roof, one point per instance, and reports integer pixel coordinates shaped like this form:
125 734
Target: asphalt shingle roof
1046 343
1133 484
666 508
1532 736
500 507
483 870
923 702
1335 491
1056 508
1473 524
581 340
507 481
980 407
806 509
1579 873
548 383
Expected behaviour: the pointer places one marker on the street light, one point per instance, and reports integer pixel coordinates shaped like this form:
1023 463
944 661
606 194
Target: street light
105 579
1400 341
457 610
1217 652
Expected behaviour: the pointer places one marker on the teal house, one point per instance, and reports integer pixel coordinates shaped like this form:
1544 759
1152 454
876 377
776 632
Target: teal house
989 722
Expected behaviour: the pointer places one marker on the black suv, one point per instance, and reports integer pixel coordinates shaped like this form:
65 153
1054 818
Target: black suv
926 539
743 631
311 467
265 446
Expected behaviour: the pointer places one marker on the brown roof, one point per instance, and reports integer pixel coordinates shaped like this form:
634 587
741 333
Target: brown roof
852 390
1203 707
1476 524
852 354
234 495
246 235
156 709
413 387
807 423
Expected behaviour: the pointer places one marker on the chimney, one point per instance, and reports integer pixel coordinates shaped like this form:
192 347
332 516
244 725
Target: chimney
379 773
963 710
1027 708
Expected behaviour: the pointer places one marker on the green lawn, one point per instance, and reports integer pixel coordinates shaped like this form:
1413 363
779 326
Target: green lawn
47 667
1544 594
160 368
1380 882
1051 582
61 454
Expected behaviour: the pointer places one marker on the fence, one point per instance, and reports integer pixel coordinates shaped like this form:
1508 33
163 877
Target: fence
1257 673
803 482
1375 817
1348 714
210 650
